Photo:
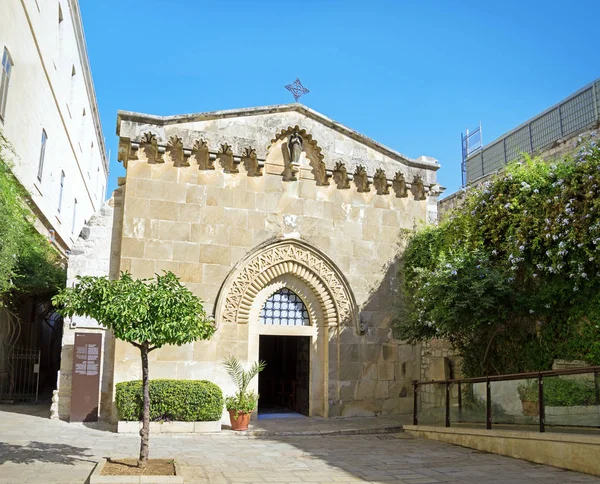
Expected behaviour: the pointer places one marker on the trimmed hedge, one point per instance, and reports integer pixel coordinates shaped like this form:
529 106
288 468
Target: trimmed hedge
560 392
171 400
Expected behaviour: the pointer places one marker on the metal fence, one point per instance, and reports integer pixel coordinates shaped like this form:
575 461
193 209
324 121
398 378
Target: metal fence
19 374
518 398
575 114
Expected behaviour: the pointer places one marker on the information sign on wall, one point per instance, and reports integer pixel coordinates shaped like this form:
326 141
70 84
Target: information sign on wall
85 386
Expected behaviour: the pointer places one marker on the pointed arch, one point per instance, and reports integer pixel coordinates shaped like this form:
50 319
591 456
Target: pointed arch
294 257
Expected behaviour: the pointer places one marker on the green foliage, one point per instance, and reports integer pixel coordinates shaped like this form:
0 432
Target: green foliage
144 312
139 311
170 400
560 392
243 401
28 263
511 278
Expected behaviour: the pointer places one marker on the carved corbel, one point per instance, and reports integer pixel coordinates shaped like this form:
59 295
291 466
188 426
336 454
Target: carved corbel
175 151
340 175
361 179
321 173
127 151
251 162
380 182
399 185
149 150
225 155
417 188
201 156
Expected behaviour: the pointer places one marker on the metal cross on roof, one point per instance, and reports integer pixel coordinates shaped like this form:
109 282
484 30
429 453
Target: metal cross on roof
297 89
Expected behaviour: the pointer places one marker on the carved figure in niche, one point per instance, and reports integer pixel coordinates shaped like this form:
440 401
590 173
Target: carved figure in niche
250 162
226 159
380 182
361 179
149 148
418 189
175 151
201 155
340 176
295 147
399 185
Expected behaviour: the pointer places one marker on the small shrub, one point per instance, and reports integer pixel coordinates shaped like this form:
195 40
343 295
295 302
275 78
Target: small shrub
560 392
171 400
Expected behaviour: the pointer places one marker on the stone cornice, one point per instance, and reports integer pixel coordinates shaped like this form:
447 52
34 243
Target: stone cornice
421 162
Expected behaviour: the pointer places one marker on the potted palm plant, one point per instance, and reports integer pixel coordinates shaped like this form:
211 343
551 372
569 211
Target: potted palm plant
241 405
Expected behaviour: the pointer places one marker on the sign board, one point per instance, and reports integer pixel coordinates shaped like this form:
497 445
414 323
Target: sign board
85 380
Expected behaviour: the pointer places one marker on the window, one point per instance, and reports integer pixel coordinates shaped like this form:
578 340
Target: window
284 308
62 187
42 155
6 69
74 215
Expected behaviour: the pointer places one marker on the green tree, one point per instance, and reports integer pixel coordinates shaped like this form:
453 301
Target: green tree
512 276
144 312
29 265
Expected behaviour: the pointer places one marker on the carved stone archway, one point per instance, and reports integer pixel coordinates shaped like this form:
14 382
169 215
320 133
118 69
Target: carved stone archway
294 257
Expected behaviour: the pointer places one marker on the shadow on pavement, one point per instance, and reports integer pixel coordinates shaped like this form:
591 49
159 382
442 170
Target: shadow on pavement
41 409
41 452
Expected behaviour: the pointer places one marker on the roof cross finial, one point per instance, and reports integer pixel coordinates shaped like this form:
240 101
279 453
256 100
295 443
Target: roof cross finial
297 89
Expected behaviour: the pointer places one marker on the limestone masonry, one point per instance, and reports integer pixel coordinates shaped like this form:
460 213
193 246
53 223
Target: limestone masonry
242 204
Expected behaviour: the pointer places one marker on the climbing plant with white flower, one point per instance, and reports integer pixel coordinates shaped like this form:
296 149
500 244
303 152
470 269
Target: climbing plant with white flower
511 276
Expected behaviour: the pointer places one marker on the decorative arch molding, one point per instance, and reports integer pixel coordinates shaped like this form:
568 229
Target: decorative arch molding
306 136
292 257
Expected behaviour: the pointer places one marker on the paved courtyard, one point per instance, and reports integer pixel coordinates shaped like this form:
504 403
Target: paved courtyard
34 449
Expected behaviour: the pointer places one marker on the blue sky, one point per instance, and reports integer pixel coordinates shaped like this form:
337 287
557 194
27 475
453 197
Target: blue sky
412 75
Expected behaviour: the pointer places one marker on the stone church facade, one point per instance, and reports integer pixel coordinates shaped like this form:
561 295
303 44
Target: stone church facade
255 208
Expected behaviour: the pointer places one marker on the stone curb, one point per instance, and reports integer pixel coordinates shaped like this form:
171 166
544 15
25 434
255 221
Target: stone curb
308 433
97 478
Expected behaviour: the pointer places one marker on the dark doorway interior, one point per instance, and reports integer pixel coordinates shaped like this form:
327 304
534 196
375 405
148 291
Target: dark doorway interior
284 384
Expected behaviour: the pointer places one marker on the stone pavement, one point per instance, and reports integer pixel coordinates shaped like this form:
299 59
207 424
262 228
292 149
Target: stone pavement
34 449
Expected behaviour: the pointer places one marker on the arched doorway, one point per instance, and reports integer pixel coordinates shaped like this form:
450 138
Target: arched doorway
284 385
321 300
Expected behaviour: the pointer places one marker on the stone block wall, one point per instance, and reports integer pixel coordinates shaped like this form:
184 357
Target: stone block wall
91 256
204 217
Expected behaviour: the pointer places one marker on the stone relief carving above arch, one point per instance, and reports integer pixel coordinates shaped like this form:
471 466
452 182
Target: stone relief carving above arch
340 176
250 162
201 155
225 156
298 259
380 182
361 179
399 185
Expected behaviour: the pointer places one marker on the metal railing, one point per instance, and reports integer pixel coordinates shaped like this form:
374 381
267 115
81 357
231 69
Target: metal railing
488 380
573 115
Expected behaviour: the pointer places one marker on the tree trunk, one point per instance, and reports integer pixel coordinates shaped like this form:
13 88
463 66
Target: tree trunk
145 432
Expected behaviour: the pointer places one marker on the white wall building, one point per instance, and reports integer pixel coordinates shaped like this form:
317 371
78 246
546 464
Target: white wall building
48 112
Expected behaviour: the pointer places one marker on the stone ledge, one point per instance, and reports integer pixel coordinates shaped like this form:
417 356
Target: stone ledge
97 478
124 427
566 451
306 433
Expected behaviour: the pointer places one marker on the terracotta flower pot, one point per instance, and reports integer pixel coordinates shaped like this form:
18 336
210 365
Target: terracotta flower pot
241 422
530 408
